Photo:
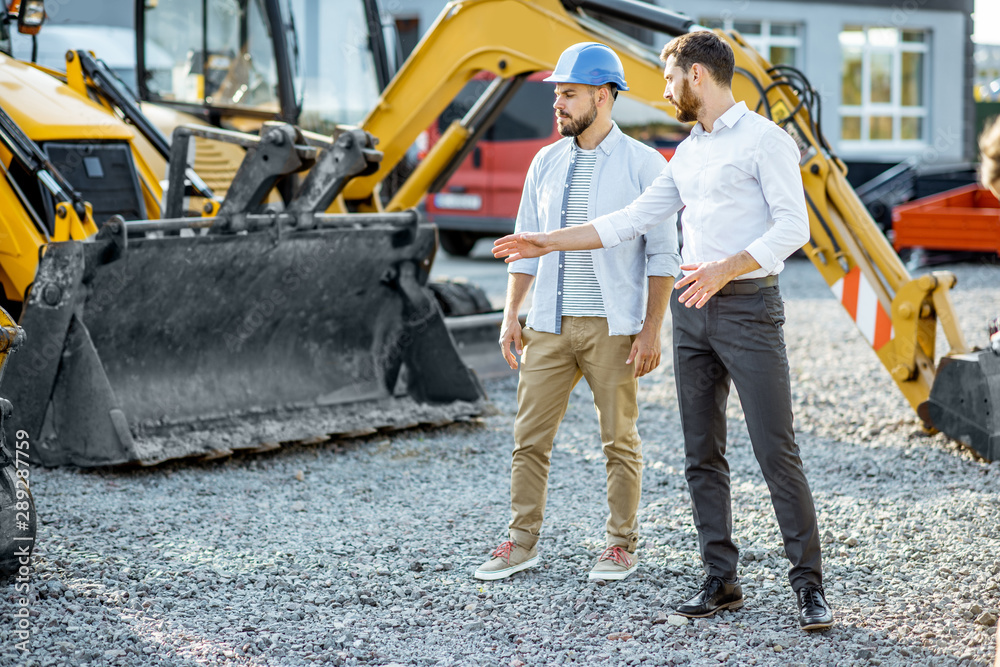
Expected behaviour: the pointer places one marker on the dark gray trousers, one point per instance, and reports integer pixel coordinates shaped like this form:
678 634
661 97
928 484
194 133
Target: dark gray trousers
739 337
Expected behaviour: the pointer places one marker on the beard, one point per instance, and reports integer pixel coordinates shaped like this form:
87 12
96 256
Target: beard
687 105
570 127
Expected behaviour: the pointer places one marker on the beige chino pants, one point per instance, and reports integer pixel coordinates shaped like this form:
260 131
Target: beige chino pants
551 365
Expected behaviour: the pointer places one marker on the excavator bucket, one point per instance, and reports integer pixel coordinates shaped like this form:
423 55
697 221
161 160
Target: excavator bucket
157 340
965 400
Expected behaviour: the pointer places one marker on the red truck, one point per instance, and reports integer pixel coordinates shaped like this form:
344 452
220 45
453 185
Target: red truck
481 198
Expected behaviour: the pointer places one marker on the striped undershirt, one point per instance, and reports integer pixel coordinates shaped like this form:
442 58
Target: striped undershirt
581 293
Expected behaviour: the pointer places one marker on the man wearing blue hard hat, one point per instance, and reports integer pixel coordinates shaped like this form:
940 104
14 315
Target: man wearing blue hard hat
593 314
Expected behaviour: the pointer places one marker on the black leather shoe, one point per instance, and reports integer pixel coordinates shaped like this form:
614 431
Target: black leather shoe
715 595
814 612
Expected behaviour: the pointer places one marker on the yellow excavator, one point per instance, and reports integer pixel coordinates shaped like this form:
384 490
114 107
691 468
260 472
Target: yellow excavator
152 334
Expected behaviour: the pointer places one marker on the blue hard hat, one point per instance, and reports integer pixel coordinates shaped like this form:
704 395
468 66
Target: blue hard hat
591 63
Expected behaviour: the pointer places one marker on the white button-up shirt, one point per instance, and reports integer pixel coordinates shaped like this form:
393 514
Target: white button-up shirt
742 189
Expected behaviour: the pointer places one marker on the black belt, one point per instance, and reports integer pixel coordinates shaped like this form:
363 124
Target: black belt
749 286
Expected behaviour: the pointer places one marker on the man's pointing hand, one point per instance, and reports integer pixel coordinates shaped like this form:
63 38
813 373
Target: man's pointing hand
522 245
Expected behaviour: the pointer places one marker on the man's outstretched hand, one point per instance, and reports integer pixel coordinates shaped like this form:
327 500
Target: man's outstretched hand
520 246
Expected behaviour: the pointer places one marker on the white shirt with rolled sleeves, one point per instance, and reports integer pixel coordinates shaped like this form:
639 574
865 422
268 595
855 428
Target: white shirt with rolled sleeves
742 189
624 168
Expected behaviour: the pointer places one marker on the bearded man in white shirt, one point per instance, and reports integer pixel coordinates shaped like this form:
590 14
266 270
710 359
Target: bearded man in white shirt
590 316
738 176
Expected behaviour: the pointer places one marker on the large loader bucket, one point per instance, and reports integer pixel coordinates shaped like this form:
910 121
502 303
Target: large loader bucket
965 401
146 349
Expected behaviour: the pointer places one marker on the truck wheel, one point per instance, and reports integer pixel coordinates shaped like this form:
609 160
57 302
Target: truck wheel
457 243
460 298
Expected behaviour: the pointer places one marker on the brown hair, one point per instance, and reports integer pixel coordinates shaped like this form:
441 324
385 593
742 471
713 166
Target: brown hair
989 146
705 48
612 88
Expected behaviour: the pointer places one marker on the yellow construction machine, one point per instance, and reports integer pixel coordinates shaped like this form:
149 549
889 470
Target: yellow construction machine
153 335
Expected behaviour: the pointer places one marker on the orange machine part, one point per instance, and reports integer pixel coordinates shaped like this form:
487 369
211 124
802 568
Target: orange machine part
966 218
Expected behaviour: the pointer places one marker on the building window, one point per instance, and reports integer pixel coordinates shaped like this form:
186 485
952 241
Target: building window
780 43
883 86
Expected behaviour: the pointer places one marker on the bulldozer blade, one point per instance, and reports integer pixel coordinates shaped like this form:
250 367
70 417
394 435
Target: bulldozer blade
965 401
195 345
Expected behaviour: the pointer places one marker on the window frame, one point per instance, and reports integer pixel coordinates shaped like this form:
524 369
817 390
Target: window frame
867 110
763 42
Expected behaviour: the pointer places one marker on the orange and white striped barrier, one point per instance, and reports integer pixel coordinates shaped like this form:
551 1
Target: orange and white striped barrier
860 301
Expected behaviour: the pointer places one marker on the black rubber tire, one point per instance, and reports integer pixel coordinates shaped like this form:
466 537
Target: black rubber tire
460 298
17 510
457 243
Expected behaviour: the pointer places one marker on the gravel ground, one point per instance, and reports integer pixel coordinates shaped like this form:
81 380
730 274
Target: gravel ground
359 552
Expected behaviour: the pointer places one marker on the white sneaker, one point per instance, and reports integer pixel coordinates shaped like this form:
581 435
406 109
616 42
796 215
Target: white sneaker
505 560
614 563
